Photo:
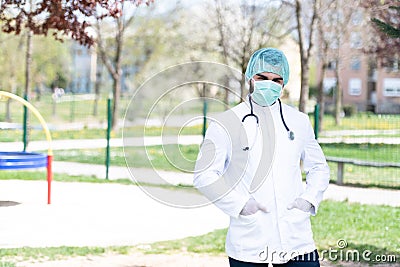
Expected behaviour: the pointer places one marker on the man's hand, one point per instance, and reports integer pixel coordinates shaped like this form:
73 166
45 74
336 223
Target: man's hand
301 204
251 207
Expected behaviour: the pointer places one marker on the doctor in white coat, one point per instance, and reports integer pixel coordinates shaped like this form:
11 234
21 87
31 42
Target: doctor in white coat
250 166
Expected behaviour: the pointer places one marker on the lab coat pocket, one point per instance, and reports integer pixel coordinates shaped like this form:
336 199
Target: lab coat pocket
244 234
297 216
248 219
299 225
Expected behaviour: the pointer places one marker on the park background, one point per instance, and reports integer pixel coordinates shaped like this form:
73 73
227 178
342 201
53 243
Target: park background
70 85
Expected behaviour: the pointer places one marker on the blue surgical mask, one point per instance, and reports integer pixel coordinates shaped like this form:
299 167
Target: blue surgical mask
266 92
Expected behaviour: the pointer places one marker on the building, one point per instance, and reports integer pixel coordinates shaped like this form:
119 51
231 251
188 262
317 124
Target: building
87 68
84 62
366 85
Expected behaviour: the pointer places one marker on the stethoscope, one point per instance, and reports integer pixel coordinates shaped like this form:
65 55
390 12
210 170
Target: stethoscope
251 114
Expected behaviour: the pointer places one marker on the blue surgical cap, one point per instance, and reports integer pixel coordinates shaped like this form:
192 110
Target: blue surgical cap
268 60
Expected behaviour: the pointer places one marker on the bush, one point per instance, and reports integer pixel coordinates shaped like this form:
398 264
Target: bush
349 110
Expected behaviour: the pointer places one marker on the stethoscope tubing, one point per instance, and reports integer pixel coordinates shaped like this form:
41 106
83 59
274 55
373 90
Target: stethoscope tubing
251 114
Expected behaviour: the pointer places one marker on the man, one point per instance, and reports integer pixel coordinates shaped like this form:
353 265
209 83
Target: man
249 166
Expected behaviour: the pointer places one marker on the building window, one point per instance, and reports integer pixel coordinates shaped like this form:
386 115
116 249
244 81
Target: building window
355 40
391 87
357 17
329 85
393 64
355 64
332 65
332 39
355 86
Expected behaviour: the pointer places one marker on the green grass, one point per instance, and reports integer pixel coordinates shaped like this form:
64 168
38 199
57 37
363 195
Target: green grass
57 253
15 135
364 227
362 121
168 157
361 176
11 135
349 137
41 175
64 111
370 152
212 243
366 176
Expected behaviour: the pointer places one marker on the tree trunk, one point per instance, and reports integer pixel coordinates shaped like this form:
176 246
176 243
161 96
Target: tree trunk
338 98
54 109
97 92
226 94
28 62
305 50
243 91
303 60
321 97
304 86
116 99
8 110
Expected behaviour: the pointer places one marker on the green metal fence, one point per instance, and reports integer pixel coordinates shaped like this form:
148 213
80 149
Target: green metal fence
368 139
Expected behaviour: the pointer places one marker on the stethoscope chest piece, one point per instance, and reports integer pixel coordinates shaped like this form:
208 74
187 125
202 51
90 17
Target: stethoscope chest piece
291 135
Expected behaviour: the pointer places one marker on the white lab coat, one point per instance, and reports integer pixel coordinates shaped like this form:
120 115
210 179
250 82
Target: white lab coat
264 237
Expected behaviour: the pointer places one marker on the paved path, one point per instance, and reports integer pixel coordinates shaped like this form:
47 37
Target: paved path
102 143
87 214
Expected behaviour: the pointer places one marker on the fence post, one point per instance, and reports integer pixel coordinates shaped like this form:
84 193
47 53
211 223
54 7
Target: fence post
109 121
205 107
316 120
25 125
72 108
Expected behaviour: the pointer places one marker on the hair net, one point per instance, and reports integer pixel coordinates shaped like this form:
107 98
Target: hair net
268 60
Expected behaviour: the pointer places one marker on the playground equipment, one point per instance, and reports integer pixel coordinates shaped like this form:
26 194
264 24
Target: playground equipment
25 160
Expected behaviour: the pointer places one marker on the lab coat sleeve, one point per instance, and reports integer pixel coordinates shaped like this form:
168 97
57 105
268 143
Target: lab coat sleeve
216 148
316 169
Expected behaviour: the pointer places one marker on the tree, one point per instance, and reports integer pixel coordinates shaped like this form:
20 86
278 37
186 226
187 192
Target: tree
243 28
305 13
385 22
334 40
60 19
111 49
342 13
390 30
11 77
324 41
51 63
